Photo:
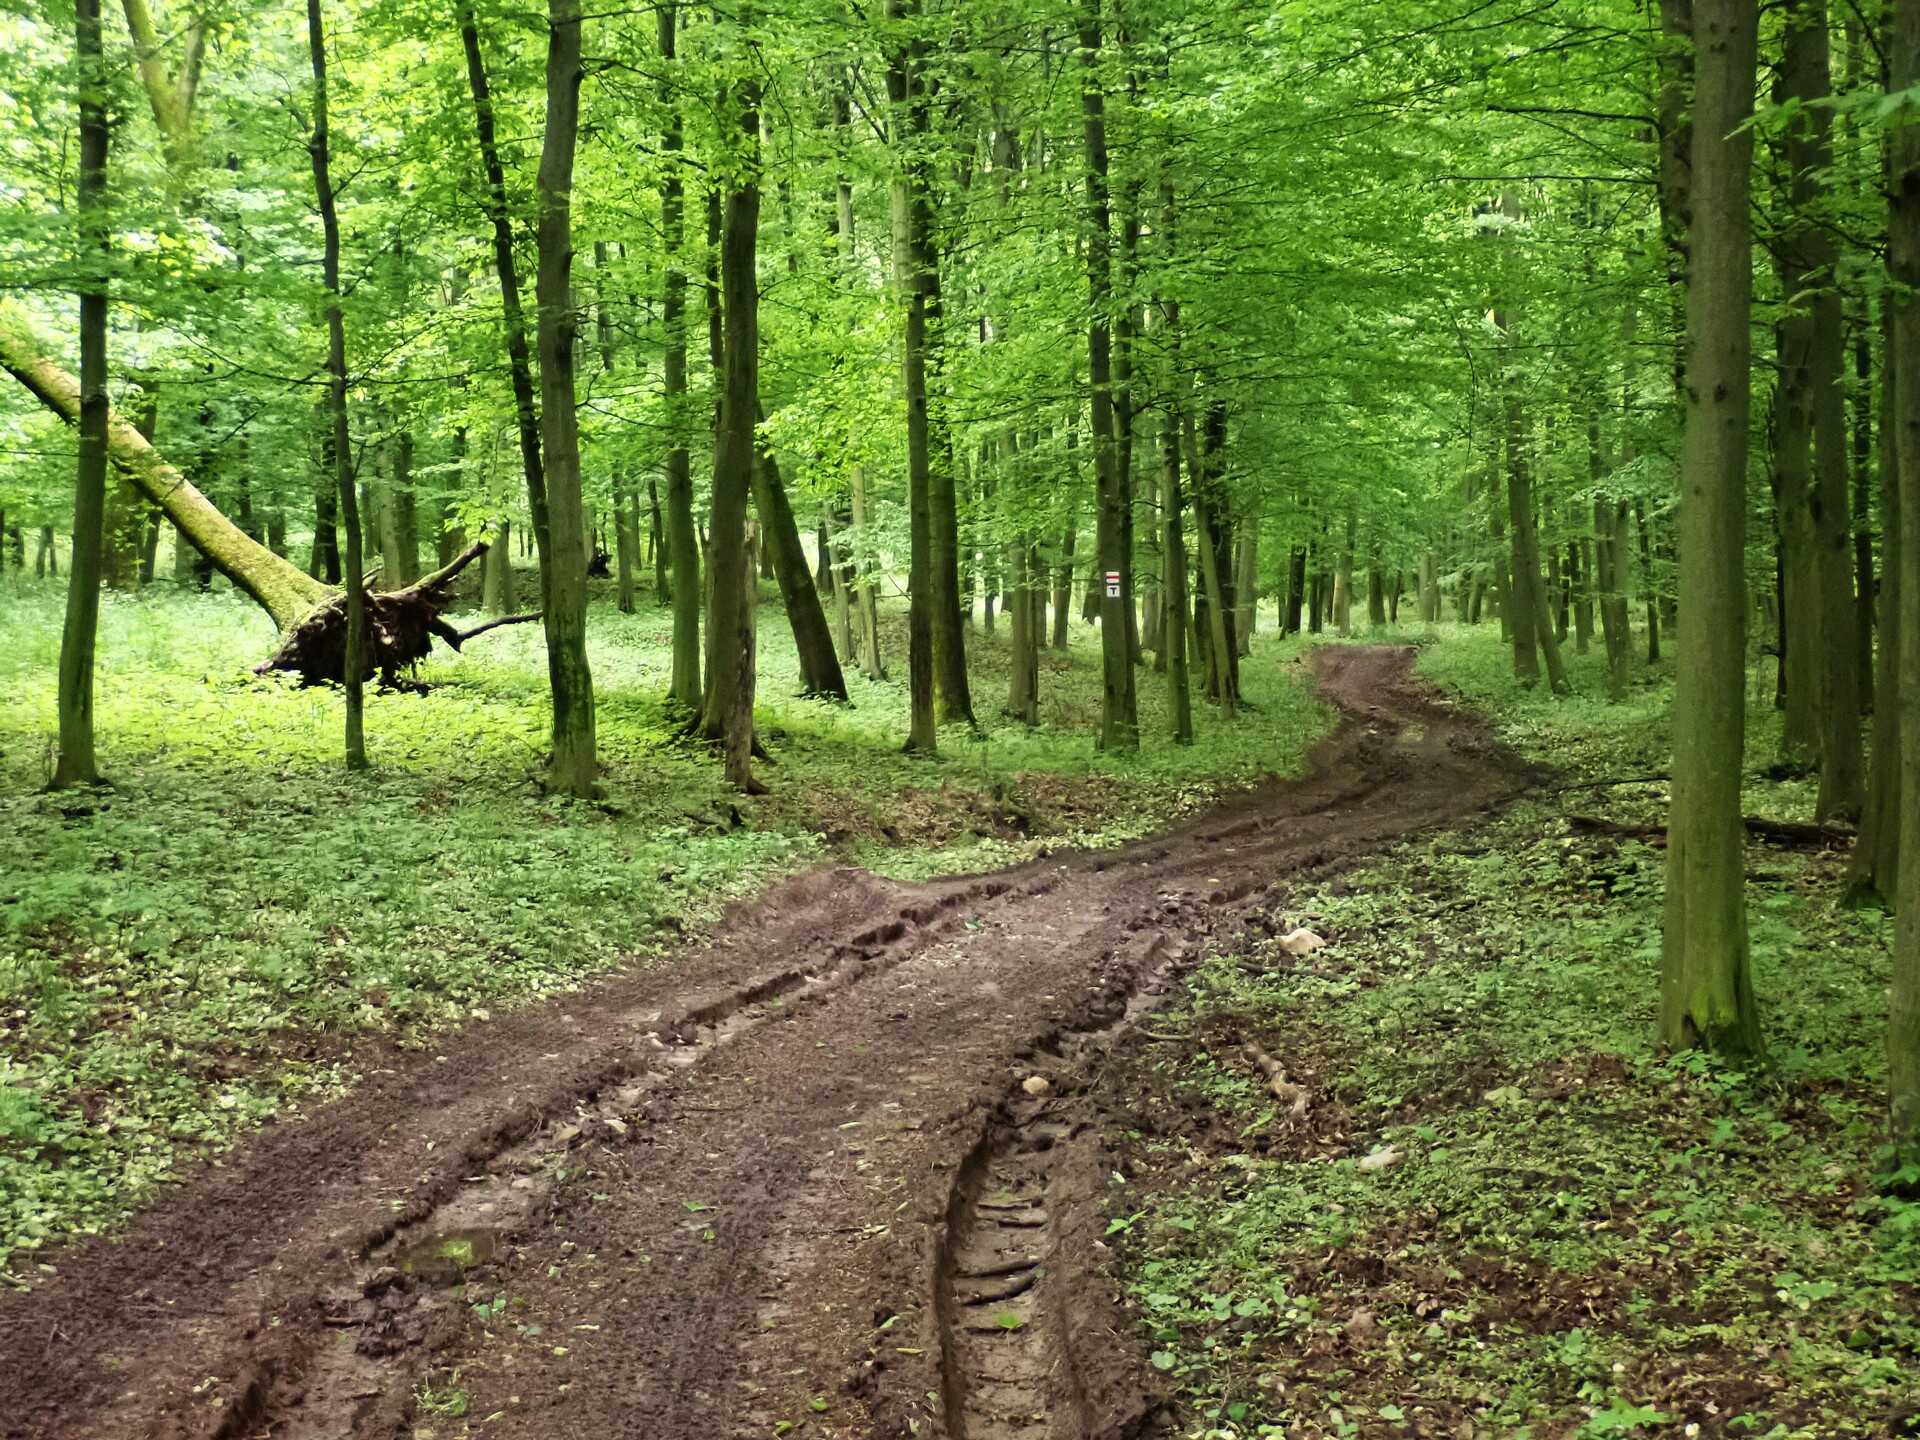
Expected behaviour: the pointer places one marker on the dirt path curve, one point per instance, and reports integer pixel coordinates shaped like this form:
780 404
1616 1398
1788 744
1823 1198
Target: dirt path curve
810 1173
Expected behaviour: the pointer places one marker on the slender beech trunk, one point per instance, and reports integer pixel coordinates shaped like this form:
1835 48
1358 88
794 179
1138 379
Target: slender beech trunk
626 527
819 665
519 357
1246 586
730 679
857 565
1706 991
573 768
496 574
1179 616
1126 326
841 578
683 541
1063 575
1023 595
319 148
1903 1034
1119 716
76 764
1865 613
1210 541
910 259
1873 873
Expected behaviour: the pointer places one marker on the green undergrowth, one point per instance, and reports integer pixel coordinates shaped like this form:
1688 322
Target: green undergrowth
1487 1206
216 938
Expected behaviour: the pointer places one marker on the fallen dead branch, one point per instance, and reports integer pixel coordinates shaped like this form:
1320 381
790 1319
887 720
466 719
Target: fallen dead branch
1773 832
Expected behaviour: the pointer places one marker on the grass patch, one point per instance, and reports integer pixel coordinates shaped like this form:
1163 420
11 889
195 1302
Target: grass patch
1503 1213
209 942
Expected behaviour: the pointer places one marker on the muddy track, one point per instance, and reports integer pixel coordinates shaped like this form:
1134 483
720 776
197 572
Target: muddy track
832 1167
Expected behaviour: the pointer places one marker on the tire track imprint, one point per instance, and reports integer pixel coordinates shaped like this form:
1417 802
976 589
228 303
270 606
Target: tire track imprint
834 1167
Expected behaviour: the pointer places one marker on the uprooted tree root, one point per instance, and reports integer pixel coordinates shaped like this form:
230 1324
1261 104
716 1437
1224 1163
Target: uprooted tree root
401 628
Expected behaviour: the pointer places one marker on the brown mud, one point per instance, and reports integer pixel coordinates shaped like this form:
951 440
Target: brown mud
833 1170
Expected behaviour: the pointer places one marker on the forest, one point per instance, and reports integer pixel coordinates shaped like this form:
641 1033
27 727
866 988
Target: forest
915 718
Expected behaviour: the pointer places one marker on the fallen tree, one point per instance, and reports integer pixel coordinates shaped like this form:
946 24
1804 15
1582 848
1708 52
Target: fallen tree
310 615
280 587
401 628
1772 832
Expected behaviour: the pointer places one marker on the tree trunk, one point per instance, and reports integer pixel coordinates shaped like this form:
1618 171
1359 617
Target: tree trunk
683 540
1862 508
1023 598
1580 577
1875 868
573 768
519 362
1532 621
496 574
910 261
1648 581
399 520
819 664
280 588
1119 717
1179 686
1246 586
1211 542
1824 655
1706 993
1063 579
319 148
866 585
76 764
729 552
1903 1035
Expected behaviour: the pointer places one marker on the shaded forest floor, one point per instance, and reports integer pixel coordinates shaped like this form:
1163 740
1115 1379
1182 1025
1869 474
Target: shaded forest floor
236 929
1481 1204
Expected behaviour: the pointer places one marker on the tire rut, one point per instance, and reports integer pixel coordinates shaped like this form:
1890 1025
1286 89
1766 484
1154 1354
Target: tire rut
894 1233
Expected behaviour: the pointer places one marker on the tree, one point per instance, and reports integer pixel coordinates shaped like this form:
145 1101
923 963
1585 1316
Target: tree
683 543
1706 993
573 768
76 764
728 718
320 149
913 260
1903 1038
1119 717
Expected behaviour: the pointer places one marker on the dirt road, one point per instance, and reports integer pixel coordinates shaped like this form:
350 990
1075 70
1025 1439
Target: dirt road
830 1171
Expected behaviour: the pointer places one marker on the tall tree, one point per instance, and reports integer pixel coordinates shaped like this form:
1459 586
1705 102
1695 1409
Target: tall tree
728 718
683 541
1119 716
1903 1043
913 258
573 767
76 764
506 270
1706 995
320 148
